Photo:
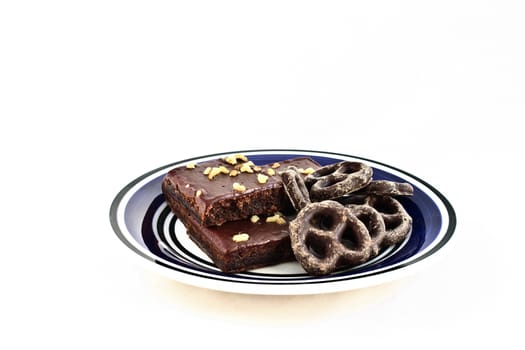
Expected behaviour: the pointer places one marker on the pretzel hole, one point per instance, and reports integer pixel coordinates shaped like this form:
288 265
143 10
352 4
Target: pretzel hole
316 246
324 172
349 168
349 238
366 219
384 206
359 200
393 222
329 181
323 220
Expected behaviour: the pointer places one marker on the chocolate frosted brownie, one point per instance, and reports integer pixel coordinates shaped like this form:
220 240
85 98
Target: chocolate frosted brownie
241 245
230 189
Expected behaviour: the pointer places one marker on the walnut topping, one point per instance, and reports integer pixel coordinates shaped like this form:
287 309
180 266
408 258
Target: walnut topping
234 172
262 179
241 157
191 165
276 165
214 172
254 219
270 171
238 187
230 160
233 159
240 237
257 168
307 171
277 218
246 168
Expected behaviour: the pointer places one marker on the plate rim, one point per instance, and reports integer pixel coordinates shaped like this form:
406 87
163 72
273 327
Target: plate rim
371 279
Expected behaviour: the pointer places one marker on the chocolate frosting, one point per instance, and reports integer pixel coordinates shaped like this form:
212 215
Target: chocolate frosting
214 201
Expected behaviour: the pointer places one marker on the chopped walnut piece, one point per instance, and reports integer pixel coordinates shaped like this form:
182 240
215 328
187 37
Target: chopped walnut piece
238 187
207 171
234 172
241 157
246 168
223 169
254 219
230 160
270 171
262 179
276 165
191 165
277 218
307 171
214 172
233 158
240 237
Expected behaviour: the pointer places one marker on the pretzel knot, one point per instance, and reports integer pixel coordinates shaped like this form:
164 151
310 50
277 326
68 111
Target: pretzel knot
397 221
326 235
295 188
339 179
374 223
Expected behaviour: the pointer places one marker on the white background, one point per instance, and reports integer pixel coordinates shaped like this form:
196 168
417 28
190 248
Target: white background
95 93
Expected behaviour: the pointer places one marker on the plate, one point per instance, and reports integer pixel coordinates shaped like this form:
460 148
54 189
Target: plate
143 221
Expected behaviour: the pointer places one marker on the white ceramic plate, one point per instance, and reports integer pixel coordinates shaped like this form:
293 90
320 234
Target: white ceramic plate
142 220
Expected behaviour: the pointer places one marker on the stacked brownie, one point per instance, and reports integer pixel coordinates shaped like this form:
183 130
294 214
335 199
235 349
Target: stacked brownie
235 210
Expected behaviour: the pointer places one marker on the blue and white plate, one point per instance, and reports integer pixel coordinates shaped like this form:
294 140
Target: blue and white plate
142 220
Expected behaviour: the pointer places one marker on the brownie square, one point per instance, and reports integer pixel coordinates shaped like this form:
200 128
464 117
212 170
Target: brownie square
213 200
264 243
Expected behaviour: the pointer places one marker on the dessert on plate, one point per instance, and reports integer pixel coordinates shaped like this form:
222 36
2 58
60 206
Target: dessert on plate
245 215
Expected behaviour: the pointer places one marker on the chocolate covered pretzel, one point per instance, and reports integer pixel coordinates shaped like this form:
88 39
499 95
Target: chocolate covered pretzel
326 235
398 222
387 188
337 180
295 188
